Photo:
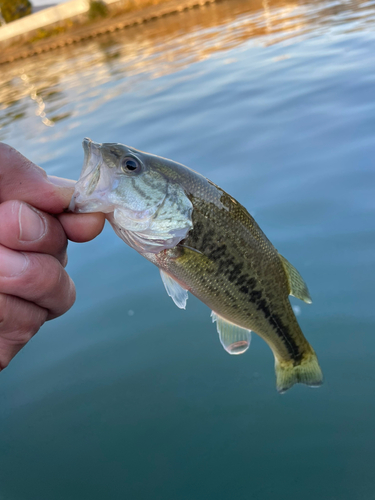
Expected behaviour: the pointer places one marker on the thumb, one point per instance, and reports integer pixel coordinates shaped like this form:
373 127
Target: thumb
23 180
64 188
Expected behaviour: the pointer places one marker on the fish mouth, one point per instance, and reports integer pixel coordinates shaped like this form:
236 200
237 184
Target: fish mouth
83 199
92 156
86 144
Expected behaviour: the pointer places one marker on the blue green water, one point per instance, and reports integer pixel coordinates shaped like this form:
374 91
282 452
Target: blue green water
128 397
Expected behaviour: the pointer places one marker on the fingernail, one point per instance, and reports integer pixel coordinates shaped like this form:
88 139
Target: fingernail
12 263
32 225
61 182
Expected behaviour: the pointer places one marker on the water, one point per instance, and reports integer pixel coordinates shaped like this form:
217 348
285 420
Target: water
127 396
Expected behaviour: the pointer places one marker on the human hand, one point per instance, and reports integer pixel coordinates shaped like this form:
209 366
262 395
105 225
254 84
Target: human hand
34 287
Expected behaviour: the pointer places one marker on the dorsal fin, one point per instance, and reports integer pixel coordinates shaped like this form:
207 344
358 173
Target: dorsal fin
174 290
297 287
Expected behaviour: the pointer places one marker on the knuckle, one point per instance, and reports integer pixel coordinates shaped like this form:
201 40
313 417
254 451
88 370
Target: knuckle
48 273
45 284
20 336
3 308
63 301
58 294
19 320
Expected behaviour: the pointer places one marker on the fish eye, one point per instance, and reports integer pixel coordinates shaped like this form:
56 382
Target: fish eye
129 164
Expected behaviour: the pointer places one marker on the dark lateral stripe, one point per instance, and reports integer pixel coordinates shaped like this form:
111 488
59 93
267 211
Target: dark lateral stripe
282 330
206 241
284 334
246 286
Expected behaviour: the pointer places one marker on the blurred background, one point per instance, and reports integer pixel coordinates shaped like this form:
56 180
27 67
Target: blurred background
127 396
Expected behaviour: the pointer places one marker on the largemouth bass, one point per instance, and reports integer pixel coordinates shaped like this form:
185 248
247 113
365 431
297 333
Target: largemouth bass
205 242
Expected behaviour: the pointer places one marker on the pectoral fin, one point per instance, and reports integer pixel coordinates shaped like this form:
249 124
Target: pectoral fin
174 290
234 339
297 287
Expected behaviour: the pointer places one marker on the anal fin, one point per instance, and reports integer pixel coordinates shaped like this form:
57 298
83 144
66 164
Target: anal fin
297 287
178 294
234 339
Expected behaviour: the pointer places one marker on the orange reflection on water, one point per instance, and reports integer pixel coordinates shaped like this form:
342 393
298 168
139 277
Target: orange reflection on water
49 88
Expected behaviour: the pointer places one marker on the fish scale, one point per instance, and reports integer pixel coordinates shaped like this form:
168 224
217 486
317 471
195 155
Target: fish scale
238 296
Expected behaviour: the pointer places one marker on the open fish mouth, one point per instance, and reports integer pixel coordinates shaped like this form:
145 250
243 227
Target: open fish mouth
91 164
86 196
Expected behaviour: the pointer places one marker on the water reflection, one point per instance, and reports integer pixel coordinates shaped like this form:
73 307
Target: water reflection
34 96
49 88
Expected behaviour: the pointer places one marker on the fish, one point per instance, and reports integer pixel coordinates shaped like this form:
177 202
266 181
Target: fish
204 242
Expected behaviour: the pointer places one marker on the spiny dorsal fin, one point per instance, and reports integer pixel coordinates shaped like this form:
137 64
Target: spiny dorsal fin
297 287
233 338
174 290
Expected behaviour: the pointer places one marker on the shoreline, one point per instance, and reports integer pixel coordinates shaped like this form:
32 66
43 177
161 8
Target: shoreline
82 32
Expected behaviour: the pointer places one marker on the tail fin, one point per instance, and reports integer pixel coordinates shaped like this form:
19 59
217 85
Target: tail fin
288 374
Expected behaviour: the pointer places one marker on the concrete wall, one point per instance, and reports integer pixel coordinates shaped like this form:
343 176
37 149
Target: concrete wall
46 17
